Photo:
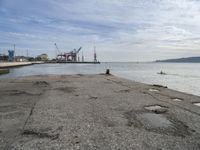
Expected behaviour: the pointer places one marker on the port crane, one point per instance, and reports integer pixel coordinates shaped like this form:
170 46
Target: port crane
70 56
59 54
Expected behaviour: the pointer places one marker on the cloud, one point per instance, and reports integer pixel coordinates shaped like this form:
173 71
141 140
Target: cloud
118 27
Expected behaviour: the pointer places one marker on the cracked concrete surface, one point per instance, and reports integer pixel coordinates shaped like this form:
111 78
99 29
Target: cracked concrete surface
95 112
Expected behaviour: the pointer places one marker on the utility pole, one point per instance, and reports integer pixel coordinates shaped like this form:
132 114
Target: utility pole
27 53
82 56
95 55
14 53
78 58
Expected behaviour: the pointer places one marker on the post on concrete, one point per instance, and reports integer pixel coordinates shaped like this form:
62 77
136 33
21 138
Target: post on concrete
108 71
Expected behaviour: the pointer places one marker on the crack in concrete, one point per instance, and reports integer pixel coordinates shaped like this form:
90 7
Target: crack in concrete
40 134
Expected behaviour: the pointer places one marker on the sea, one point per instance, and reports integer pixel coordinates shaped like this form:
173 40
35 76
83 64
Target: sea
184 77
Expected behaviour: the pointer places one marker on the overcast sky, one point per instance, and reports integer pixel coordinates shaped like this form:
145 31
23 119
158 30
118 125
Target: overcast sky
122 30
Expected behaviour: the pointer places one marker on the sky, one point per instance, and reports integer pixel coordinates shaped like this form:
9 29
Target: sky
121 30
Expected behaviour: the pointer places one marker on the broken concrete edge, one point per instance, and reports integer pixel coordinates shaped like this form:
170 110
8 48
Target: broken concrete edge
156 105
154 108
160 86
177 98
40 134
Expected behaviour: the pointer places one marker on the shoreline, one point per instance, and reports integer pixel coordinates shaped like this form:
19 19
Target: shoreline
101 111
4 65
13 64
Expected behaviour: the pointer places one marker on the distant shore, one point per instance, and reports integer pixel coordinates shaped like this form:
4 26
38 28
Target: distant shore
95 111
181 60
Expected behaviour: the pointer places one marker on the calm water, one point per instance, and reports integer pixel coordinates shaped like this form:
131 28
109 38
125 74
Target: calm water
183 77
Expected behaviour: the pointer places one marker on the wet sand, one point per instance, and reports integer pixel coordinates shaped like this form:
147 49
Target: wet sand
95 112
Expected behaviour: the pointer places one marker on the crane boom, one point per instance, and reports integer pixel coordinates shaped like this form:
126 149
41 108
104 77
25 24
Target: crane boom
78 50
57 48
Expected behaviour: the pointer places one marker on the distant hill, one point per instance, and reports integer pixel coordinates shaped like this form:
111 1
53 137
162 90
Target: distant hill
186 60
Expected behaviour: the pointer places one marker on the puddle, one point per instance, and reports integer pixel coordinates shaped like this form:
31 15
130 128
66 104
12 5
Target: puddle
154 120
197 104
159 123
177 99
156 108
153 90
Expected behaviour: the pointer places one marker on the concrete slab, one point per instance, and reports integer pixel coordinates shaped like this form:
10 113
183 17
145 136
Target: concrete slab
94 112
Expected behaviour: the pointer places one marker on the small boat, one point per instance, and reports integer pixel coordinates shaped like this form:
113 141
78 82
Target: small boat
162 73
